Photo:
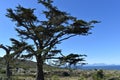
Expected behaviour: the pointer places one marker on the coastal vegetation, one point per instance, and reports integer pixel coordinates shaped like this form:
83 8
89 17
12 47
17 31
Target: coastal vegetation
26 70
38 38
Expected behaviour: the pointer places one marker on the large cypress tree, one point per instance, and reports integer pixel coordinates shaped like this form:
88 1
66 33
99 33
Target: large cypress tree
44 35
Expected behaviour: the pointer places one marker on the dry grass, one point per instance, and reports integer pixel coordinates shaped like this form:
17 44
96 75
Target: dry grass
78 75
69 78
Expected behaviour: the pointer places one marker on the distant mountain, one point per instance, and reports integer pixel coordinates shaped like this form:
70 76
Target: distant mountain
99 66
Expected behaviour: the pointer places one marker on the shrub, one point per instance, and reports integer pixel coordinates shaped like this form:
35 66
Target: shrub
65 74
100 74
2 71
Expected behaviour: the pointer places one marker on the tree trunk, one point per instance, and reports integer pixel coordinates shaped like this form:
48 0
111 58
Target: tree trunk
40 73
7 70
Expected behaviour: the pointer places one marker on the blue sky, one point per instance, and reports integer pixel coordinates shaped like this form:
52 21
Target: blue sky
102 46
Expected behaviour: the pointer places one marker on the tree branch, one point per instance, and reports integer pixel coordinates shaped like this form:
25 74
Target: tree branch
5 48
67 37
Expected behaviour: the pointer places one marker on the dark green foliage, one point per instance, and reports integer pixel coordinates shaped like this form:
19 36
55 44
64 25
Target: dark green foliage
72 59
7 58
46 34
10 54
2 71
65 74
22 12
100 74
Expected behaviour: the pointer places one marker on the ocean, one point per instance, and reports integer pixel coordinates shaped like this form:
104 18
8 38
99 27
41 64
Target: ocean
107 67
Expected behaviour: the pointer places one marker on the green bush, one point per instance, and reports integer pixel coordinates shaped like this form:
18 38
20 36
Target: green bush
2 71
65 74
99 75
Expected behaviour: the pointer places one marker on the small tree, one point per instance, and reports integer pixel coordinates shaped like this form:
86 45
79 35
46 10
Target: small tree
12 53
44 35
7 58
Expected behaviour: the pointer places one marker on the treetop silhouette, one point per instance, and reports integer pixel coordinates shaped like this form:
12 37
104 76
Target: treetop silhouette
44 35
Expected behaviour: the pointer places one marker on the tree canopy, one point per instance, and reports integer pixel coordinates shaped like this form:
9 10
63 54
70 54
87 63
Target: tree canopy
42 36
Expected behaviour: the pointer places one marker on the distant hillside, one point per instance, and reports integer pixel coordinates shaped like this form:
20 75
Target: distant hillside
19 63
23 64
